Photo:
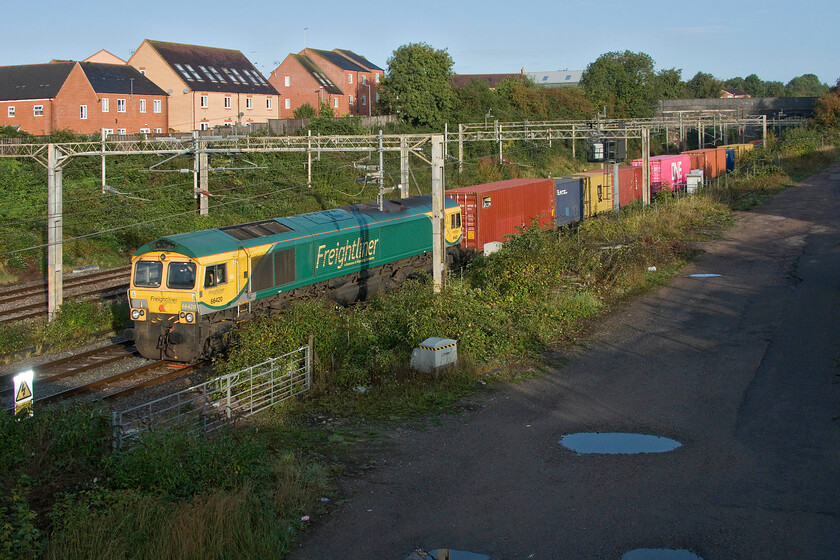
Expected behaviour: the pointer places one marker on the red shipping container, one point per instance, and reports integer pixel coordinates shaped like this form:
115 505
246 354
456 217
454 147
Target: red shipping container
714 163
629 184
494 210
698 161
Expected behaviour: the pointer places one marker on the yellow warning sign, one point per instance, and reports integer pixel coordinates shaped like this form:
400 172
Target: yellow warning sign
24 392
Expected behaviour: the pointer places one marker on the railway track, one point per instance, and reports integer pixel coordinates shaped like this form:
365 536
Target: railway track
170 372
28 302
51 377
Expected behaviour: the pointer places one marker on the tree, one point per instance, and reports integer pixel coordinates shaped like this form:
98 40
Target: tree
827 109
623 82
703 86
754 86
806 85
475 100
774 89
305 111
416 86
669 84
735 83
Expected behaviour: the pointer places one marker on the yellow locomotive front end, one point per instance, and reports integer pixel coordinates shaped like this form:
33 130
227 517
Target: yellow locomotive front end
163 301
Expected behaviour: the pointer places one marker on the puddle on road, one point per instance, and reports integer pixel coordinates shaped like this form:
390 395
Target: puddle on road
617 443
703 275
659 554
446 554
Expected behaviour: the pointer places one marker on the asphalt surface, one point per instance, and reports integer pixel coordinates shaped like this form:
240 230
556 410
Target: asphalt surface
743 369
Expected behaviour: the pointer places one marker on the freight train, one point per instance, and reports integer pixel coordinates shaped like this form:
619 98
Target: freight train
188 290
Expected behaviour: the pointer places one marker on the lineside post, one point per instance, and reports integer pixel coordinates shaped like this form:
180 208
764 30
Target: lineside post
203 183
645 166
55 236
438 258
460 147
404 167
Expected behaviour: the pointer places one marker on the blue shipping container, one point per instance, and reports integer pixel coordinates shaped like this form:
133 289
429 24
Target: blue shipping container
568 200
730 159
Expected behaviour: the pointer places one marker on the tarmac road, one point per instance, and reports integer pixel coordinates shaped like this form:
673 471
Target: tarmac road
743 369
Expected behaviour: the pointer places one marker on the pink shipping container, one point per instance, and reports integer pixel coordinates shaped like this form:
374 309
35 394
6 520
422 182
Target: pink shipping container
672 169
629 184
494 210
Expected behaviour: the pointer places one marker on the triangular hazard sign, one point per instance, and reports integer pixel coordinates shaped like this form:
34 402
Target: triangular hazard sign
23 392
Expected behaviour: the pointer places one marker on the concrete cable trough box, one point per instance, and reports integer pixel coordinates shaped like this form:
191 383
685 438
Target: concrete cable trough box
434 353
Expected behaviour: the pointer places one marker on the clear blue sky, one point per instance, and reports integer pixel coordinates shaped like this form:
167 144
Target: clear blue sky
776 39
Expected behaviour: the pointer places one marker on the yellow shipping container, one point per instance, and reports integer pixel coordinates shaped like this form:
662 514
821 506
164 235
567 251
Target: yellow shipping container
739 149
597 192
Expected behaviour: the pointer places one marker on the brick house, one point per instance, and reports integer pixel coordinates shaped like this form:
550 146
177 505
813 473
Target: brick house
207 86
300 80
342 78
85 97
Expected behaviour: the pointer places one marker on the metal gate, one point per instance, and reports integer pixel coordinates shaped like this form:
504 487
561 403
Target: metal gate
213 404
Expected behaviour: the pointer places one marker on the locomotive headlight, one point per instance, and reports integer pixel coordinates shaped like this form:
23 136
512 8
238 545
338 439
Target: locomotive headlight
135 314
189 317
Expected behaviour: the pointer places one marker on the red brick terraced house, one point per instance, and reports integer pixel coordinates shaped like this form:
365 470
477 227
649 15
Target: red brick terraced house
85 97
207 86
300 80
345 80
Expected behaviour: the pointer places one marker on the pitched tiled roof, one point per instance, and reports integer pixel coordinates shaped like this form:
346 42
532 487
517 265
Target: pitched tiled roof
119 78
338 60
359 59
319 75
556 77
213 69
33 81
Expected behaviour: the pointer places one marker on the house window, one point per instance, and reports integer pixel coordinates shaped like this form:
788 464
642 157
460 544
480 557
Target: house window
156 105
350 99
335 102
249 102
142 105
121 131
143 72
268 103
38 111
83 112
107 131
205 126
287 81
364 100
288 103
349 78
364 79
377 97
158 130
120 105
376 78
227 102
11 111
105 105
204 102
145 130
